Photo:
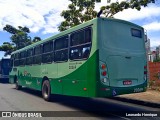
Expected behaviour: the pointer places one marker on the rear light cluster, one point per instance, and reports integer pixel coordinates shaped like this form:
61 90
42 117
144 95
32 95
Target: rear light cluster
145 72
103 72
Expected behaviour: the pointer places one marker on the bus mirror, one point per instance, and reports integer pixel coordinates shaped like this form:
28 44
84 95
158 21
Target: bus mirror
145 36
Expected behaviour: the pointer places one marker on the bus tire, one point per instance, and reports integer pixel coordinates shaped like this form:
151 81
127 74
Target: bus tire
18 87
46 90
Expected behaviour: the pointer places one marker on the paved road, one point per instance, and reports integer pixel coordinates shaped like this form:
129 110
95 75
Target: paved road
30 100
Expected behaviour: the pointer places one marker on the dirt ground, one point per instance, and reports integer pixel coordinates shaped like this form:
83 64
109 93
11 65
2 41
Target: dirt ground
148 96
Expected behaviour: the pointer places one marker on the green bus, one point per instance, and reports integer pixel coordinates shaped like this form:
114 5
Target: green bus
100 58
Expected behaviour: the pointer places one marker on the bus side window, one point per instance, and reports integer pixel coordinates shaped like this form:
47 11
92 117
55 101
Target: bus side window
37 59
29 58
86 51
61 49
75 53
88 35
81 45
16 60
22 60
47 52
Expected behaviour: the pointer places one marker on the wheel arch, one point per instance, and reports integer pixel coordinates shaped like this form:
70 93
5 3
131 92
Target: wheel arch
43 79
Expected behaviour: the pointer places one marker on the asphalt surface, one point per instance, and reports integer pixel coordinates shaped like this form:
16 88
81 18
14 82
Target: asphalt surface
88 108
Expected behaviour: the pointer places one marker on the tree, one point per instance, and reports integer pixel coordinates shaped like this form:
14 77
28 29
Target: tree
80 11
157 59
7 47
36 39
112 9
19 39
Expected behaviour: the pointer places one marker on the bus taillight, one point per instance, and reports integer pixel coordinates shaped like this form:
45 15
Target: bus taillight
104 73
103 66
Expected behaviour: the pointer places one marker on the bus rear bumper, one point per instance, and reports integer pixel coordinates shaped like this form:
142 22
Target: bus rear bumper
114 91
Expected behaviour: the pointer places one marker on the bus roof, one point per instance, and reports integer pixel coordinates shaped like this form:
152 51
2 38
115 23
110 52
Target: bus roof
88 23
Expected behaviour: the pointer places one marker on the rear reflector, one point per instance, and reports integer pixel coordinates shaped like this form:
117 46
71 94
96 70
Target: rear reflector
145 72
84 89
145 67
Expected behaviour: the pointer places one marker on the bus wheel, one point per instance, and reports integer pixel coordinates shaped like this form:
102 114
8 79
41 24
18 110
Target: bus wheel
18 87
46 90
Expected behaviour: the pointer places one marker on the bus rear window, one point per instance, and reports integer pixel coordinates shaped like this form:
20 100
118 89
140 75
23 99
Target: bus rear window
136 33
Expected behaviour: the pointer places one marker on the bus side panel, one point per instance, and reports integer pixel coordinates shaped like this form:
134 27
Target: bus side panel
93 74
81 82
56 86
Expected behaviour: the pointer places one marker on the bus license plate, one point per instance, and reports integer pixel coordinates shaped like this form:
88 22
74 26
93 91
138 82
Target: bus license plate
127 82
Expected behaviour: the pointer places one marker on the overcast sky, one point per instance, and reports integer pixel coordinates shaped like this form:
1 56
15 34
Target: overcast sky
43 17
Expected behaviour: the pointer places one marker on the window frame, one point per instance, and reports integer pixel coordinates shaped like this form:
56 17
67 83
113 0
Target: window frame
37 55
62 49
22 58
83 44
16 59
133 30
29 56
51 42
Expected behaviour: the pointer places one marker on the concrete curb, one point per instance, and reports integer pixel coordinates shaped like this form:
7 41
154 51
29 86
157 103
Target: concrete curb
139 102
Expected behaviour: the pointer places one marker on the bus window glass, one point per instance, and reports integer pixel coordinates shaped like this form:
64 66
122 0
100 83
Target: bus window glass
17 56
77 38
29 52
22 60
136 33
16 60
47 47
47 58
80 52
80 49
47 52
88 35
61 49
37 55
61 43
61 55
23 54
37 50
29 58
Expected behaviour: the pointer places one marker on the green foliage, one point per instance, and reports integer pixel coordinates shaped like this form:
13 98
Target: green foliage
19 39
80 11
157 60
36 39
113 8
7 47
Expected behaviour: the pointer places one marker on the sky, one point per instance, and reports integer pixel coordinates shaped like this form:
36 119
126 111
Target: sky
42 17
